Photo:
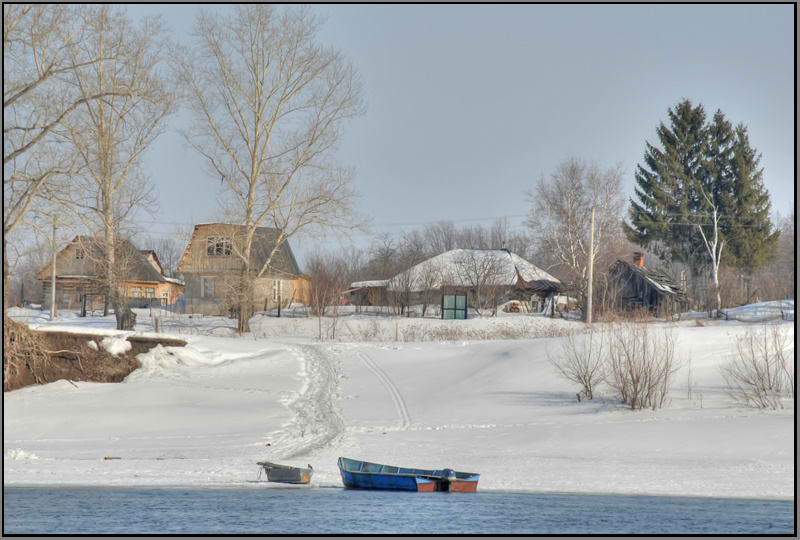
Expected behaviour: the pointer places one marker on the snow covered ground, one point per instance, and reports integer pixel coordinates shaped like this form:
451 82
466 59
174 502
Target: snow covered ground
205 413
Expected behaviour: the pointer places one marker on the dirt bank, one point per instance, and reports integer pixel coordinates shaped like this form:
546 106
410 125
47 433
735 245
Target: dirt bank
71 358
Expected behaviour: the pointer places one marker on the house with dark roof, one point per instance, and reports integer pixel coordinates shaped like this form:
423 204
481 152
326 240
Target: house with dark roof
212 268
653 289
78 275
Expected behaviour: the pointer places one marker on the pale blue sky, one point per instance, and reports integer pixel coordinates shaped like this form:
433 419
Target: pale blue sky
468 105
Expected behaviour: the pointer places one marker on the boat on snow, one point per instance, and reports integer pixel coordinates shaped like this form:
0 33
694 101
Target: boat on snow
286 474
364 475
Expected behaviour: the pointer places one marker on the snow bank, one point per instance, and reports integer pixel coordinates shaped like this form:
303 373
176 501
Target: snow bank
116 345
19 454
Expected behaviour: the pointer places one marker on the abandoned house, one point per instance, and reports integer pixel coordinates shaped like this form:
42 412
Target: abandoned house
142 279
460 279
640 287
212 269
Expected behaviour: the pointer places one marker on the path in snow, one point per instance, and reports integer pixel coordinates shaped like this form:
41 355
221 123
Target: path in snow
394 392
318 423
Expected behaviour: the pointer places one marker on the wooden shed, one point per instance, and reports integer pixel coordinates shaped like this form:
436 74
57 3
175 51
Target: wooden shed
642 287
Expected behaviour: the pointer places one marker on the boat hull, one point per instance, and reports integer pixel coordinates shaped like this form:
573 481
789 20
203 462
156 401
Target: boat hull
364 475
286 475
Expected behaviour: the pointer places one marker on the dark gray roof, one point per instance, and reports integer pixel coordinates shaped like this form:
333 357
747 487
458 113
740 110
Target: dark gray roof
136 266
661 281
283 261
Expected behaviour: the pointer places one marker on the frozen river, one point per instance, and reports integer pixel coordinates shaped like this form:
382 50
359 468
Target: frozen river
268 510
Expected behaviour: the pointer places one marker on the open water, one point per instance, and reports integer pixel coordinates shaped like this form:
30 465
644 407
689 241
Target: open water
267 510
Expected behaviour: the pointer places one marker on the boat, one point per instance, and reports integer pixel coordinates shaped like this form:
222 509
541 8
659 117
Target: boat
364 475
285 474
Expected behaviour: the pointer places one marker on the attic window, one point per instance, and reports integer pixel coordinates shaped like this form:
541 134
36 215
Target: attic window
79 254
218 246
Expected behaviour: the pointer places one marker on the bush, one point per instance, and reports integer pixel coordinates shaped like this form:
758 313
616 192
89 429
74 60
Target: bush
642 362
761 372
583 360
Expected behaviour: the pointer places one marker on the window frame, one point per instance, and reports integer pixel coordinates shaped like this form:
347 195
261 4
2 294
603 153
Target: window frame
135 290
148 291
203 286
277 289
219 246
79 254
452 313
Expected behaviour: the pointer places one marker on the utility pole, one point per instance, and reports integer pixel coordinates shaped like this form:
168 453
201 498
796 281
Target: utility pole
591 271
53 308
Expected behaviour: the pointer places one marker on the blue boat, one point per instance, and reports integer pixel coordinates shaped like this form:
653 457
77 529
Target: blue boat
364 475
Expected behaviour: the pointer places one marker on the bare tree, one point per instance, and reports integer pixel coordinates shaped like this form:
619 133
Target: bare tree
642 363
761 372
560 214
713 242
481 272
110 136
169 250
43 47
326 284
269 106
583 360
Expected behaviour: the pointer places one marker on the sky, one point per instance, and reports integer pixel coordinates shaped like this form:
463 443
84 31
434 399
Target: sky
469 105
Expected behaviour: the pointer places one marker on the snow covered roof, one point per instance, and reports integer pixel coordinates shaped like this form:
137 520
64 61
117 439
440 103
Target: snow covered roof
370 283
468 267
174 280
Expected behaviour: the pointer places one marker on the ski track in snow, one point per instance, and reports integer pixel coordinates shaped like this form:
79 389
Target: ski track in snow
394 392
318 422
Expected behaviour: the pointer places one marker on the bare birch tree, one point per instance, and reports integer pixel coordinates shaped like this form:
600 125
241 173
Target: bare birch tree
560 214
110 136
713 242
269 106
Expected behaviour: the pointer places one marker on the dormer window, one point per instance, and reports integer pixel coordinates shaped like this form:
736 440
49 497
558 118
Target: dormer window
78 254
219 246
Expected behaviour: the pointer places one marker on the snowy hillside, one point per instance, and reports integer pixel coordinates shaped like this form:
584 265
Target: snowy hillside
205 413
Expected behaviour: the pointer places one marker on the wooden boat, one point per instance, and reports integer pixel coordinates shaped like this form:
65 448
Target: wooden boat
286 474
364 475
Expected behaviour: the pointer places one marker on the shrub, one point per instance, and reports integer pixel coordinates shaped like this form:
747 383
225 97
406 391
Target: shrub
761 372
583 360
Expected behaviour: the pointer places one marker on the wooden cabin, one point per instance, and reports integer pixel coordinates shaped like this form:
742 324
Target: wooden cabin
77 276
642 287
212 269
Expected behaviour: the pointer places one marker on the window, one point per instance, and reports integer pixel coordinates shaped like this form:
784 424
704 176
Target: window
149 292
136 292
277 289
218 246
454 306
206 286
165 296
78 254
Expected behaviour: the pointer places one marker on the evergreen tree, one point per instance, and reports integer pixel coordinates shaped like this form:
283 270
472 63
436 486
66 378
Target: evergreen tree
667 189
752 238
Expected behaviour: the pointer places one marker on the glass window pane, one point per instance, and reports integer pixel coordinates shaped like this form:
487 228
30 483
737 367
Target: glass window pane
449 301
461 302
461 314
449 314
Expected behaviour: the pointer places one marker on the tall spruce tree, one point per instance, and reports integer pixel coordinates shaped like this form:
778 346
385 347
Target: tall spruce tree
667 189
704 168
752 238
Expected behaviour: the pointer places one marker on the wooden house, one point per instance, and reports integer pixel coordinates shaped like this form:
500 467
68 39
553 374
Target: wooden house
212 269
642 287
77 275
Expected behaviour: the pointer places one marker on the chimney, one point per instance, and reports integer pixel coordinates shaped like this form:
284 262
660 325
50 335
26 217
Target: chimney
638 258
